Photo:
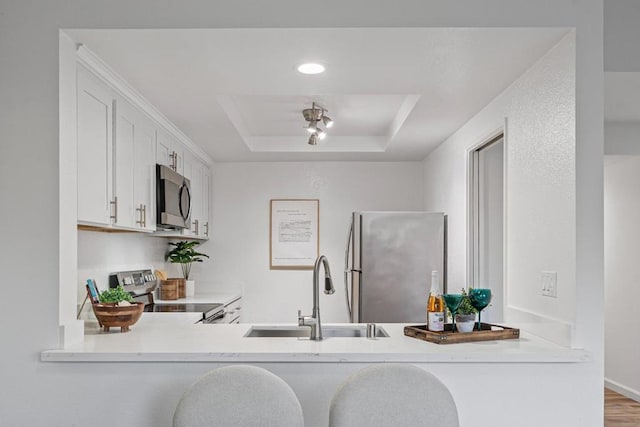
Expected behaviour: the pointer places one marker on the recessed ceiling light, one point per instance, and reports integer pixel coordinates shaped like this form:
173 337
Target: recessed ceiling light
311 68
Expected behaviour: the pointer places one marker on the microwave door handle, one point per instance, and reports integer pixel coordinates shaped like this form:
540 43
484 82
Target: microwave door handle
184 192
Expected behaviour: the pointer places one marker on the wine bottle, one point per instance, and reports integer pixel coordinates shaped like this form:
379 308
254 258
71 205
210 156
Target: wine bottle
435 305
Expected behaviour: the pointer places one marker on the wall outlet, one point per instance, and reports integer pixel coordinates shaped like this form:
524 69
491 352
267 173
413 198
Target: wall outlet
550 284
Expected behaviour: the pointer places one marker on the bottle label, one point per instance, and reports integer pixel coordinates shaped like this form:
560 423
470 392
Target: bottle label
435 321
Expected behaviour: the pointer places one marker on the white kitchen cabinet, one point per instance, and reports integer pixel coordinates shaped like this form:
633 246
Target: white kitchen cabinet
134 168
169 152
124 164
94 126
206 185
233 311
144 189
119 141
187 172
198 174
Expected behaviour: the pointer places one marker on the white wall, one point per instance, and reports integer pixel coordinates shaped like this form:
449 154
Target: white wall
539 110
65 394
621 35
621 273
622 138
240 227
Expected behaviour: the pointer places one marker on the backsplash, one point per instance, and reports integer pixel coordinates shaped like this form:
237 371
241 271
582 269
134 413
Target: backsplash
100 254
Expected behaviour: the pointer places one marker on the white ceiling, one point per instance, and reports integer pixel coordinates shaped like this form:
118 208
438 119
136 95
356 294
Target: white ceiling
394 93
622 97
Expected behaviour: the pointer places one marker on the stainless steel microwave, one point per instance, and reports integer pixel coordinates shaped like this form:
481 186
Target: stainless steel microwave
173 199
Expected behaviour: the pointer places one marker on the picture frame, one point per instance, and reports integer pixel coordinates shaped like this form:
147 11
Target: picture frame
294 229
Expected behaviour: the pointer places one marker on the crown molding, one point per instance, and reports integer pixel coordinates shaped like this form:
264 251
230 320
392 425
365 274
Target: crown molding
95 64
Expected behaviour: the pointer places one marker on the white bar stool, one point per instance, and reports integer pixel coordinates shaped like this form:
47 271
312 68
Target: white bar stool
240 396
392 395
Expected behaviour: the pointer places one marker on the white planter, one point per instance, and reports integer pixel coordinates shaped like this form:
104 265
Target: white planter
465 322
191 288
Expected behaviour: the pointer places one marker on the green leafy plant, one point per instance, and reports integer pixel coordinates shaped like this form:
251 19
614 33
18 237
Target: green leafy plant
465 305
115 295
183 253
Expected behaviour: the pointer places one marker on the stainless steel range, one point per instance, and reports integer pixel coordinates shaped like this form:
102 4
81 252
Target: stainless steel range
211 312
141 283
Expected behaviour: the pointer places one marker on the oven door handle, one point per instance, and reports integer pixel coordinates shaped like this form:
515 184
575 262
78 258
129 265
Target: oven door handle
216 316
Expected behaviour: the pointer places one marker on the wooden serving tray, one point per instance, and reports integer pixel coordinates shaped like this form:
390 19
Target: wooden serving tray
487 332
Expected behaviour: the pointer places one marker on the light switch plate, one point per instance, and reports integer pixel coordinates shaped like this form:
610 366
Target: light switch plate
550 284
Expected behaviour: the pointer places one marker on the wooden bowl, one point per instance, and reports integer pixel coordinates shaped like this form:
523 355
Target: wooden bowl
110 315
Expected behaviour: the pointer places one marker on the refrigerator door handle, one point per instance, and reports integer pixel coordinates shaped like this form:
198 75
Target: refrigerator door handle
347 272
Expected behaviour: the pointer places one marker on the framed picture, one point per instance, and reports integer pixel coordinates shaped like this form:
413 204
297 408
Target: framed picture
293 234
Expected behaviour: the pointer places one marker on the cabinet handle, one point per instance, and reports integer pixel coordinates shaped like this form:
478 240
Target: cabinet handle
206 228
114 203
195 222
174 161
141 216
144 215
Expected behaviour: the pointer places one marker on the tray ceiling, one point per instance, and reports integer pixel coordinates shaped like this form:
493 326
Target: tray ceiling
394 93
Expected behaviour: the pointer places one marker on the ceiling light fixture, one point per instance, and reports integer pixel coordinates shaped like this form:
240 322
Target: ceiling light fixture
314 116
311 68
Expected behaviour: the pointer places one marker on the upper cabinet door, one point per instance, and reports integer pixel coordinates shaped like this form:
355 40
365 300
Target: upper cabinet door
190 171
134 167
196 187
204 209
145 174
198 174
126 128
169 152
94 124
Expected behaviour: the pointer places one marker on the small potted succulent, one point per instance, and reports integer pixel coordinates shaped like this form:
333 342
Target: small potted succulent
466 316
184 253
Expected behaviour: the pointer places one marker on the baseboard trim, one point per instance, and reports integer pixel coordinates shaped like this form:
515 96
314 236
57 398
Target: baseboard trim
622 389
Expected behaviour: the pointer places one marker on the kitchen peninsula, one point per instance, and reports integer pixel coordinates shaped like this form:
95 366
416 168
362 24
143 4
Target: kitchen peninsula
508 372
176 337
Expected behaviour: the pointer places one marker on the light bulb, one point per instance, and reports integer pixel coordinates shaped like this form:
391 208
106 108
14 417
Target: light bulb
312 127
321 134
311 68
327 121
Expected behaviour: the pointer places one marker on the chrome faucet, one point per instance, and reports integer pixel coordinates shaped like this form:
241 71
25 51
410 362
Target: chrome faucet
313 321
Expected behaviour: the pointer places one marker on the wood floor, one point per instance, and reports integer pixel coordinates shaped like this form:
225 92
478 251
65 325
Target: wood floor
620 411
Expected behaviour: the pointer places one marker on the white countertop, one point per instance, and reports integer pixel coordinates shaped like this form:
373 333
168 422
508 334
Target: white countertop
175 337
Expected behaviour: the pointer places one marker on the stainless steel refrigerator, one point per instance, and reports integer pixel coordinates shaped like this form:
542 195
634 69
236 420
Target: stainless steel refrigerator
389 259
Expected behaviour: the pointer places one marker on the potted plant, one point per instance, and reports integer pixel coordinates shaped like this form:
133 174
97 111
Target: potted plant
184 253
116 308
116 296
466 316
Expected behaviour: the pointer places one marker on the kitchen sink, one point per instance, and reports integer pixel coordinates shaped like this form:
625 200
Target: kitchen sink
328 331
